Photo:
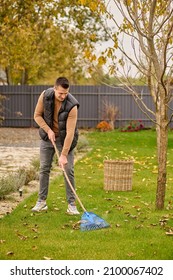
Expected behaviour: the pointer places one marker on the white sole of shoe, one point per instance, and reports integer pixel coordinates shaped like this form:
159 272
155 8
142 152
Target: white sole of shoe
71 213
42 209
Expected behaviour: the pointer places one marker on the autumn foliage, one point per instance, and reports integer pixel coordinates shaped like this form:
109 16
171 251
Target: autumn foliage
104 126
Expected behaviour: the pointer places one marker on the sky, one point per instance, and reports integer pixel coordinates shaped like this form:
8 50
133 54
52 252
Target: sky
126 40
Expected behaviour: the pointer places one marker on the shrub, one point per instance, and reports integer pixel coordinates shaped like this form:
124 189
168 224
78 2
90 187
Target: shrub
83 144
36 164
109 113
134 125
14 181
104 126
30 174
11 183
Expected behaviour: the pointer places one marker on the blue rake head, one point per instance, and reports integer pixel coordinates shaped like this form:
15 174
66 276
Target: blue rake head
91 221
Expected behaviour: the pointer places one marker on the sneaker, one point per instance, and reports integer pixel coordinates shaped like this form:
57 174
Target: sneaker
72 210
40 206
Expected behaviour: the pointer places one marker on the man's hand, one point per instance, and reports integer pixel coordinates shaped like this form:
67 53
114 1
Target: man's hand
62 161
51 135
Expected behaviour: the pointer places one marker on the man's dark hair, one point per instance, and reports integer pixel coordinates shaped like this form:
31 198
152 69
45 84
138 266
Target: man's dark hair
63 82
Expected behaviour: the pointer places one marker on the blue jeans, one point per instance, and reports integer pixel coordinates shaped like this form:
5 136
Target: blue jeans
46 157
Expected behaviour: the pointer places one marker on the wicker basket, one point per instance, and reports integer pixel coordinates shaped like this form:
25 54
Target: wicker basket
118 175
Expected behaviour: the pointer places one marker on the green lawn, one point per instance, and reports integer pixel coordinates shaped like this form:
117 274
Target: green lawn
137 231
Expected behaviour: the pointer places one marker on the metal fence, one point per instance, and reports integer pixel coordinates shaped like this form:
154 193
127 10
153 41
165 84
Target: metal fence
20 103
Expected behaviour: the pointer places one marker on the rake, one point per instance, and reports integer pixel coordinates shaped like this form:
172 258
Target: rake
89 220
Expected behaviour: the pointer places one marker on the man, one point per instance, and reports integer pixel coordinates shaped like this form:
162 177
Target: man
56 115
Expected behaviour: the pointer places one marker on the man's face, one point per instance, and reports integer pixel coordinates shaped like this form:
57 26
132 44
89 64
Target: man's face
60 93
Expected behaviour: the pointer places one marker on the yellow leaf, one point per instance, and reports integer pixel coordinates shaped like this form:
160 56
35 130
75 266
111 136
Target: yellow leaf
101 60
128 2
93 6
82 2
47 258
109 53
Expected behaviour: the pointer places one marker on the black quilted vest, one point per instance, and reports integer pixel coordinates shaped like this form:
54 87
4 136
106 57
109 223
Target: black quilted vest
67 105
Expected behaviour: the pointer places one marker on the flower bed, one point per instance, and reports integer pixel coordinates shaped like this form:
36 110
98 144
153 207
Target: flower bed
133 126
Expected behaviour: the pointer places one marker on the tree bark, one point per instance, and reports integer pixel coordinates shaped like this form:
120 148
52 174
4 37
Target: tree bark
162 143
8 75
24 77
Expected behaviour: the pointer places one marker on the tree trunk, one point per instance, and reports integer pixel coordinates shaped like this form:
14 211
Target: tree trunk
162 142
24 77
8 75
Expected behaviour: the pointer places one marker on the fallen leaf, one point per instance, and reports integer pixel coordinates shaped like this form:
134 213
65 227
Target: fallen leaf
35 237
130 254
21 236
169 233
76 225
10 253
108 198
138 226
47 258
133 216
119 207
163 222
65 226
35 229
117 225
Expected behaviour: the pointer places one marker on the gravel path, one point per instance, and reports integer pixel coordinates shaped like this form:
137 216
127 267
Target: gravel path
18 147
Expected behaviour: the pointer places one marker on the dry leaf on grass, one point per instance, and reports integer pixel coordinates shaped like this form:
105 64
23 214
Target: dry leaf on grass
65 226
130 254
10 253
117 225
76 225
21 236
47 258
169 233
34 229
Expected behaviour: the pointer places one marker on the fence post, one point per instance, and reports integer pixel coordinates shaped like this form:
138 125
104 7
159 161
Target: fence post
32 106
99 104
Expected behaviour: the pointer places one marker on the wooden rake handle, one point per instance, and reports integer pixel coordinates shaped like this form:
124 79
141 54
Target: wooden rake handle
65 174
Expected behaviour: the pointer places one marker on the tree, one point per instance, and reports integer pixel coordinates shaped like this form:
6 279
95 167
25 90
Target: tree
38 36
149 27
